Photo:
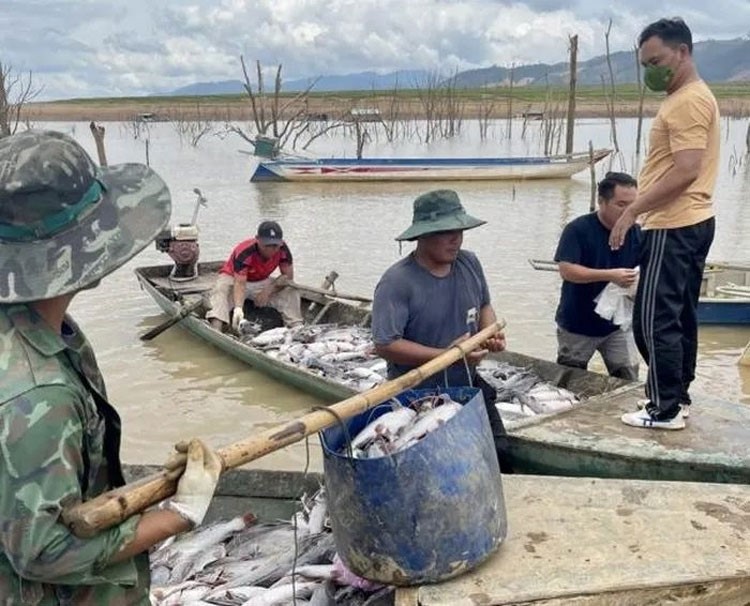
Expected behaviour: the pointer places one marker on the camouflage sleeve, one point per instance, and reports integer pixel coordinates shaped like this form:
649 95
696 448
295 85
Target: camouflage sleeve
41 469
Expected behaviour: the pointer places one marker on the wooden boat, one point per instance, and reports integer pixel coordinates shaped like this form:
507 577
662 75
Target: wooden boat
171 296
588 440
725 292
292 168
572 541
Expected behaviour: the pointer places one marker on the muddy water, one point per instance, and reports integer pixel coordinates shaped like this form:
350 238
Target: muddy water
175 386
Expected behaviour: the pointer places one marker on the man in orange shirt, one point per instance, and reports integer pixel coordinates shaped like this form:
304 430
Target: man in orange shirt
246 275
676 185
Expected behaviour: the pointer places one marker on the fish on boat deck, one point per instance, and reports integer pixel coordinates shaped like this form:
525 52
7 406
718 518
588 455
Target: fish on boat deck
242 562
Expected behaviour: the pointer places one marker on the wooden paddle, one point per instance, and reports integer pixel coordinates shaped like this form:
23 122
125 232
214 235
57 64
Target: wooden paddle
331 293
111 508
186 310
543 265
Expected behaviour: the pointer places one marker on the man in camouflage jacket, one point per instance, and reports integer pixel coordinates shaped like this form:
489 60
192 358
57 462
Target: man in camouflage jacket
65 224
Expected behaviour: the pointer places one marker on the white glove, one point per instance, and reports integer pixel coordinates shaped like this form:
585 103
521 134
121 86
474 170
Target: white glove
237 316
197 483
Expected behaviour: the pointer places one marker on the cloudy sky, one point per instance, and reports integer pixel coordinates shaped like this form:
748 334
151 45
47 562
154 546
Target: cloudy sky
84 48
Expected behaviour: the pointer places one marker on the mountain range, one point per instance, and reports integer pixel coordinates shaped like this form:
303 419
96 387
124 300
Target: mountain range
717 61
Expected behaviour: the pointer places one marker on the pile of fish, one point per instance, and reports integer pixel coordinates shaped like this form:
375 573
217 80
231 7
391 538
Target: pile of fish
244 563
402 426
522 393
345 354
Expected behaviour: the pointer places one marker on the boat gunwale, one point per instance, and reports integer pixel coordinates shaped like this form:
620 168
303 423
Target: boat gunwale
329 389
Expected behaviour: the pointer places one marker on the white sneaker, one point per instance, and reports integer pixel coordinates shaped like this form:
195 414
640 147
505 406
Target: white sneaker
644 420
684 408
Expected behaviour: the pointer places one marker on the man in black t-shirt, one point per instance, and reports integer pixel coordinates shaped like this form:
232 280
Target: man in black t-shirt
586 264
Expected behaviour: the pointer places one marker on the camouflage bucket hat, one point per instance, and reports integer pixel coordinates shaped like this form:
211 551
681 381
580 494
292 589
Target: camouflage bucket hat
438 210
64 223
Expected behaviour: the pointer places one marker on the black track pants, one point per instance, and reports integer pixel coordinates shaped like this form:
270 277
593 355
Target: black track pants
665 321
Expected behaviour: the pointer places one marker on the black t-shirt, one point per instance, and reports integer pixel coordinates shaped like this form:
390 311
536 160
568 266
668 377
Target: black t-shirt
585 241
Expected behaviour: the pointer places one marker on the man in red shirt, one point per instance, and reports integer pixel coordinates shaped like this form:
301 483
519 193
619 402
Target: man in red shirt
246 275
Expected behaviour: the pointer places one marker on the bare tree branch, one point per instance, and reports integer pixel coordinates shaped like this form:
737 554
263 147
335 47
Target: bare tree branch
15 92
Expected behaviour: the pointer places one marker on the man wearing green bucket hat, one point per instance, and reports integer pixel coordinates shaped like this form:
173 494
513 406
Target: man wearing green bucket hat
435 297
64 225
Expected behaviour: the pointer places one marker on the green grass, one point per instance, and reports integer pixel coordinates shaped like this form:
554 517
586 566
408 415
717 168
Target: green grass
528 94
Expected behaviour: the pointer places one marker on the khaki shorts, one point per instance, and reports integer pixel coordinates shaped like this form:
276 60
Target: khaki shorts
286 300
618 351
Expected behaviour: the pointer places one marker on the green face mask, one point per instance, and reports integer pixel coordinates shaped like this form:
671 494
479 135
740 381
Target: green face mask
658 77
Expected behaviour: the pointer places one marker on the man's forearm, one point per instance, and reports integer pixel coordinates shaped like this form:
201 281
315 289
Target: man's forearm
663 192
580 274
238 293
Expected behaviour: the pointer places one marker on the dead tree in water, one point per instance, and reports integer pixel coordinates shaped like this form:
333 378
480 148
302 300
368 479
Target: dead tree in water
275 116
16 91
193 129
611 104
570 127
510 100
641 95
486 109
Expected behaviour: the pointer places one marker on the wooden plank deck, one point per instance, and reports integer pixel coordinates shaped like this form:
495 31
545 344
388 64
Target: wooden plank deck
586 542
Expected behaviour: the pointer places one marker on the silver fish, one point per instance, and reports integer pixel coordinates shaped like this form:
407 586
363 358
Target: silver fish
426 423
389 425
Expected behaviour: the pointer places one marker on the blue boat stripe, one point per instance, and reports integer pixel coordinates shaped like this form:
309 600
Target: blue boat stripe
426 162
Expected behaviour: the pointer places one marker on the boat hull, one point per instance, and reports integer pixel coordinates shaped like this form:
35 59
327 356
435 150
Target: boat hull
413 169
589 440
723 311
719 303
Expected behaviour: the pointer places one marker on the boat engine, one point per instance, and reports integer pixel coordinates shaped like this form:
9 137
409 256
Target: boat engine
181 243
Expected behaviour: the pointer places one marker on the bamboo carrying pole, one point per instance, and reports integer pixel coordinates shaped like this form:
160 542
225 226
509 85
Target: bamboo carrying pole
111 508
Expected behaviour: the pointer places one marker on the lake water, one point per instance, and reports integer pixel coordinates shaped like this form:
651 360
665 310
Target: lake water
176 387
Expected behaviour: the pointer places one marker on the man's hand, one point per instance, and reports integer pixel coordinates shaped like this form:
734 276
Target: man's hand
264 296
473 357
620 230
624 277
237 316
495 343
197 484
281 282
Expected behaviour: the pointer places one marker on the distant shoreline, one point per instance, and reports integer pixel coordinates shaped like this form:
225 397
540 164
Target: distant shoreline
405 105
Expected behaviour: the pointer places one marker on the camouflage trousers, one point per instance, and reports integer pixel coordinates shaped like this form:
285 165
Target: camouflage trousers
286 301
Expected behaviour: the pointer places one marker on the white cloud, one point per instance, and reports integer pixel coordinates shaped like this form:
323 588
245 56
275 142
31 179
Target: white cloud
95 47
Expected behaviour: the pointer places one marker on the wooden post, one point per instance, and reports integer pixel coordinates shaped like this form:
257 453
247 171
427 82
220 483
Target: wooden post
98 132
592 170
510 101
745 356
570 129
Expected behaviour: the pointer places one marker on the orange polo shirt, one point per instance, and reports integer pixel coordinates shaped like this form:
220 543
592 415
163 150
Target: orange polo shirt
687 119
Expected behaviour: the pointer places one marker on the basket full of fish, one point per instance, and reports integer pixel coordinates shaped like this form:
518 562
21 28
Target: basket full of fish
414 487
